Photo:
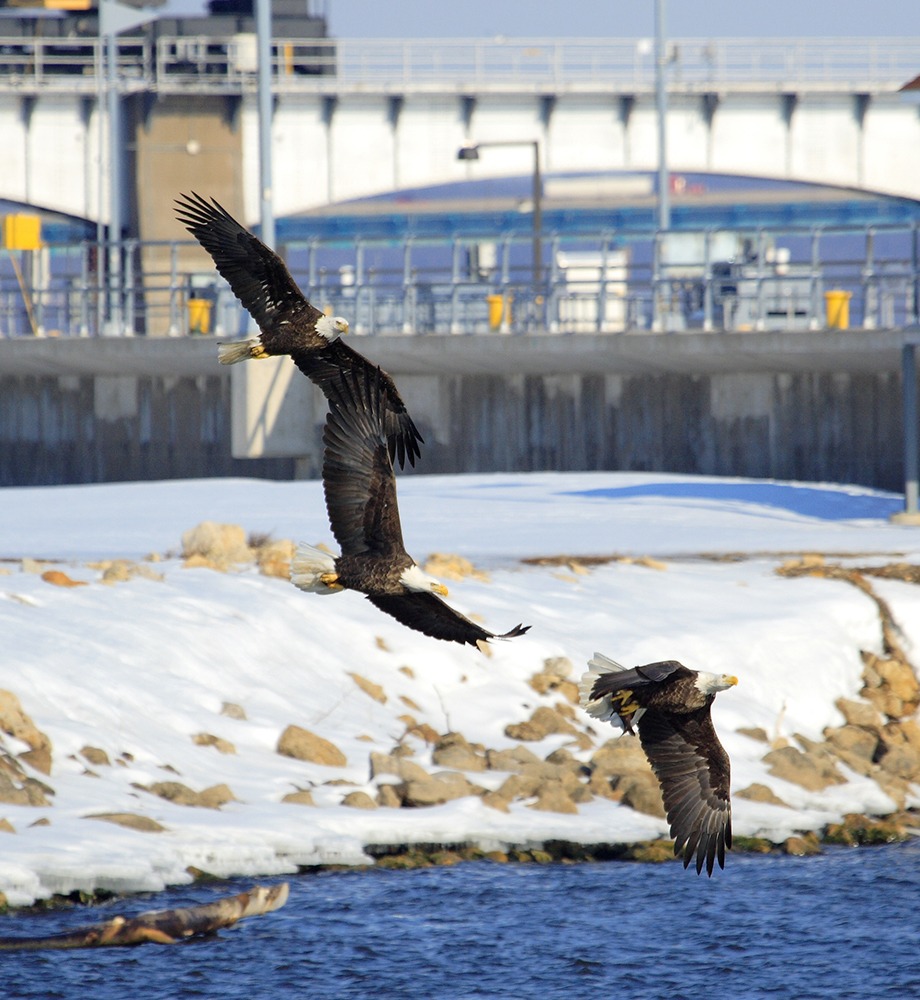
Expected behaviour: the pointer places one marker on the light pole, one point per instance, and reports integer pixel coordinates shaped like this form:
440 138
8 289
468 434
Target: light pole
471 152
664 193
264 93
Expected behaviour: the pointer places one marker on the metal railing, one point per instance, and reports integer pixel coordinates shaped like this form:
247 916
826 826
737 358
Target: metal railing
609 283
171 64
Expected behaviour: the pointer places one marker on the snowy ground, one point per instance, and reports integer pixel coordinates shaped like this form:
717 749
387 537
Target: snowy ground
138 668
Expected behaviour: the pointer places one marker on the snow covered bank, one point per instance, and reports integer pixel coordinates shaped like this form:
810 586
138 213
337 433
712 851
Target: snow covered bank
190 676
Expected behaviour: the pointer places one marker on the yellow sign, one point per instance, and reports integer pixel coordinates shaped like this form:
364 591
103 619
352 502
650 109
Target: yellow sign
22 231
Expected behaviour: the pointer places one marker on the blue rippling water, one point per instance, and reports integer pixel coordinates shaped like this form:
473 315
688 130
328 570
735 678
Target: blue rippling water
842 925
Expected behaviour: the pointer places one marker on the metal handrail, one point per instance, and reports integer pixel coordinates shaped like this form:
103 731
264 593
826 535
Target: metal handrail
622 282
226 64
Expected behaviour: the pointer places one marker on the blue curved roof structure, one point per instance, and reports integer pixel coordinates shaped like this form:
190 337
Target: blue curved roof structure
616 201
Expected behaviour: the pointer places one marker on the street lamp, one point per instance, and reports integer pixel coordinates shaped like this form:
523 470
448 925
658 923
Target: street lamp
471 152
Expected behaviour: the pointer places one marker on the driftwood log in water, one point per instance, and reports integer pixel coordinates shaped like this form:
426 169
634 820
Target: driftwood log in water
161 926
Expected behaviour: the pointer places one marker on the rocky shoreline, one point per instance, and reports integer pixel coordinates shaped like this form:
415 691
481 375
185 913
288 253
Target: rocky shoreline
880 739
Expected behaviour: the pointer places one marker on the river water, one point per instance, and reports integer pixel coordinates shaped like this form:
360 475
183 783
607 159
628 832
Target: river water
842 925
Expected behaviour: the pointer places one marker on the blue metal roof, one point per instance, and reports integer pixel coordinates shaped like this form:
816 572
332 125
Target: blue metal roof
501 206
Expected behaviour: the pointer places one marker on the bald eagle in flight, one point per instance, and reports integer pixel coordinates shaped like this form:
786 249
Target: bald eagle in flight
670 705
289 324
360 489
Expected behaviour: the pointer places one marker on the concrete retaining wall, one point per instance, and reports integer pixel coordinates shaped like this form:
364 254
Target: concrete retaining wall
809 406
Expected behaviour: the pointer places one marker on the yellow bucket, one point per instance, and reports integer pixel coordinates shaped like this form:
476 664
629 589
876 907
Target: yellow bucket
837 304
199 315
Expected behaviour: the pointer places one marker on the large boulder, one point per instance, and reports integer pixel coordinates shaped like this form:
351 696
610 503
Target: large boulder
811 769
301 744
14 722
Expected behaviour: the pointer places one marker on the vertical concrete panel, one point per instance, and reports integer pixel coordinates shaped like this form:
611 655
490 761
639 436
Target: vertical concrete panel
499 118
300 166
585 133
825 139
56 158
749 135
430 133
362 143
688 133
890 143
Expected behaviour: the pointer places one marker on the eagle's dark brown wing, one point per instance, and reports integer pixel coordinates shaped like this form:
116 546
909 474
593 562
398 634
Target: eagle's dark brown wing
429 614
358 477
694 772
257 275
325 366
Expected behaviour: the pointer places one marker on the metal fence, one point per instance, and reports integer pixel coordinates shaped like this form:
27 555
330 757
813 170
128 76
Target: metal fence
215 64
610 283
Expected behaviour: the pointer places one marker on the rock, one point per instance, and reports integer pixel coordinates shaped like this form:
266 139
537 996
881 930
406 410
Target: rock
754 733
439 788
6 826
542 723
406 770
515 759
371 689
424 732
274 558
60 579
857 829
302 797
174 791
387 797
453 567
218 742
555 673
901 682
217 545
452 750
553 797
233 711
801 847
810 770
858 713
642 793
495 801
14 722
855 747
133 821
96 757
902 761
359 800
17 788
409 703
651 851
532 779
215 796
909 729
301 744
620 757
760 793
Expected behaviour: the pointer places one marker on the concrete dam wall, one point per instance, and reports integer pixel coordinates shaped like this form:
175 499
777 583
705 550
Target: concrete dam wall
814 406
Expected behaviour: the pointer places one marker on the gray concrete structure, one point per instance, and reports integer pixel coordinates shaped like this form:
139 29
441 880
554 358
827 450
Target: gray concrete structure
823 405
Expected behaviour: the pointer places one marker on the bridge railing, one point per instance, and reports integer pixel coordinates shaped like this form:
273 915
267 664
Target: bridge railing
609 283
228 64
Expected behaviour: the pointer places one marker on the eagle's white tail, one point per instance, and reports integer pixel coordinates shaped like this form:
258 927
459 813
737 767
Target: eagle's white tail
308 566
601 708
239 350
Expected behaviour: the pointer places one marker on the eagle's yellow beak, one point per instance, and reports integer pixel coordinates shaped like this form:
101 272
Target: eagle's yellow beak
440 589
731 679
